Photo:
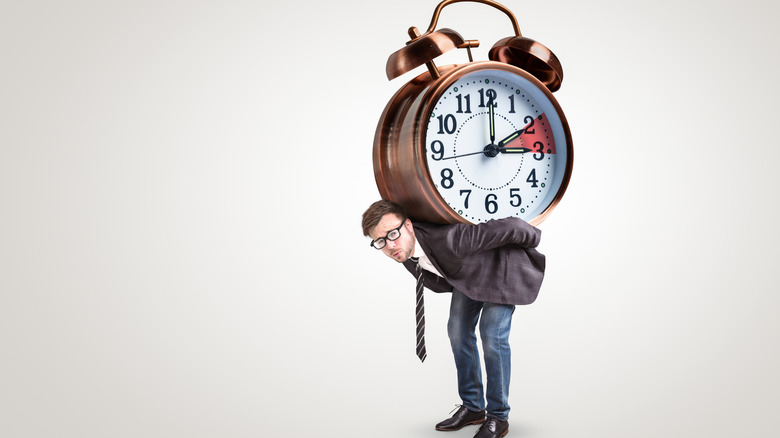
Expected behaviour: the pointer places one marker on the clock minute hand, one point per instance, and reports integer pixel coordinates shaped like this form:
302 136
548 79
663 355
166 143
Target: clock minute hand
492 124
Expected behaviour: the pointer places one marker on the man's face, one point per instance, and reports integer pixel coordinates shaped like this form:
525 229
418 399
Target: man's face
403 247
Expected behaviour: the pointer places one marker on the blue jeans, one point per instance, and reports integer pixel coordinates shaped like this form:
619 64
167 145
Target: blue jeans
494 326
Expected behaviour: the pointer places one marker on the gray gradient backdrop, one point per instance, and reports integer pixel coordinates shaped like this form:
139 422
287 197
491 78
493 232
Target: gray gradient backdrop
181 185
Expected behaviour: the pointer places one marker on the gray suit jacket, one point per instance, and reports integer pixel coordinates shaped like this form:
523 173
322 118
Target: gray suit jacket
494 262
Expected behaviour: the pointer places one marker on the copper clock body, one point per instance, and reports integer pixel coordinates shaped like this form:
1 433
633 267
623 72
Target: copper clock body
400 167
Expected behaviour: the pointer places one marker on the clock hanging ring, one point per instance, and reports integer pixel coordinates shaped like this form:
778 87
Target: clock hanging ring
471 142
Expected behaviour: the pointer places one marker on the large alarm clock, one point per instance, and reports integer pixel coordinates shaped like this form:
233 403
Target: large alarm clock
472 142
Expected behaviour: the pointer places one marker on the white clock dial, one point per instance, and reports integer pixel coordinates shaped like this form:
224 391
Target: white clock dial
490 146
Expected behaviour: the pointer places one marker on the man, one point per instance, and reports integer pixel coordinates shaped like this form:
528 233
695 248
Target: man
489 268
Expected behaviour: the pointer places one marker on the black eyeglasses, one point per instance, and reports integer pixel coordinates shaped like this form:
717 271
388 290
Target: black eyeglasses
393 234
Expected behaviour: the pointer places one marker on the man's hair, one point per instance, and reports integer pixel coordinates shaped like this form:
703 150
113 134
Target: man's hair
377 210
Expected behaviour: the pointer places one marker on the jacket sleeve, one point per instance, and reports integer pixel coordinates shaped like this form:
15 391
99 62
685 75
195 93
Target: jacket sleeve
469 239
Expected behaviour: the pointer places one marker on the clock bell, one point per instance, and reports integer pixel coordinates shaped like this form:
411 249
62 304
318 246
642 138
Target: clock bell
517 50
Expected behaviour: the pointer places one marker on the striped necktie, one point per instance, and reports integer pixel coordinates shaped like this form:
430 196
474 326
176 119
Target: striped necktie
420 312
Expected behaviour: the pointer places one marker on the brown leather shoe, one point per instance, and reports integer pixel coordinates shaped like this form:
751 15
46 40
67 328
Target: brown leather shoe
462 418
493 428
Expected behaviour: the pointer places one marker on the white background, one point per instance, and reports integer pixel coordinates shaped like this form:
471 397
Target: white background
181 187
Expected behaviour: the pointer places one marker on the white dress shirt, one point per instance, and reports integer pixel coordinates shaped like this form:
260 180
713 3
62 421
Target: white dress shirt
423 259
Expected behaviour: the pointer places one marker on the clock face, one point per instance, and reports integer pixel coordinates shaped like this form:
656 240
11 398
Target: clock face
496 145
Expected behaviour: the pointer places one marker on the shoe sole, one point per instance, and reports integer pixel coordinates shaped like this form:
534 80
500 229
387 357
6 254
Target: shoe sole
461 427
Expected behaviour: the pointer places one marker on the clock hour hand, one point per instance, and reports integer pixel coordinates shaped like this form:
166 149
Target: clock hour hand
510 137
517 150
503 148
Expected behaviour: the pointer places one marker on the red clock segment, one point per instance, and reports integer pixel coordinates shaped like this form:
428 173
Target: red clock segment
536 136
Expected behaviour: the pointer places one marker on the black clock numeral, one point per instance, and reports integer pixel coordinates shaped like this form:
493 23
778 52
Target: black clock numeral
513 193
461 99
539 155
437 147
447 124
532 179
511 104
529 122
491 206
491 97
446 178
466 201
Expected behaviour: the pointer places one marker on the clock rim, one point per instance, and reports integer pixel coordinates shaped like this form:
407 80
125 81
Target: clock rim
404 177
